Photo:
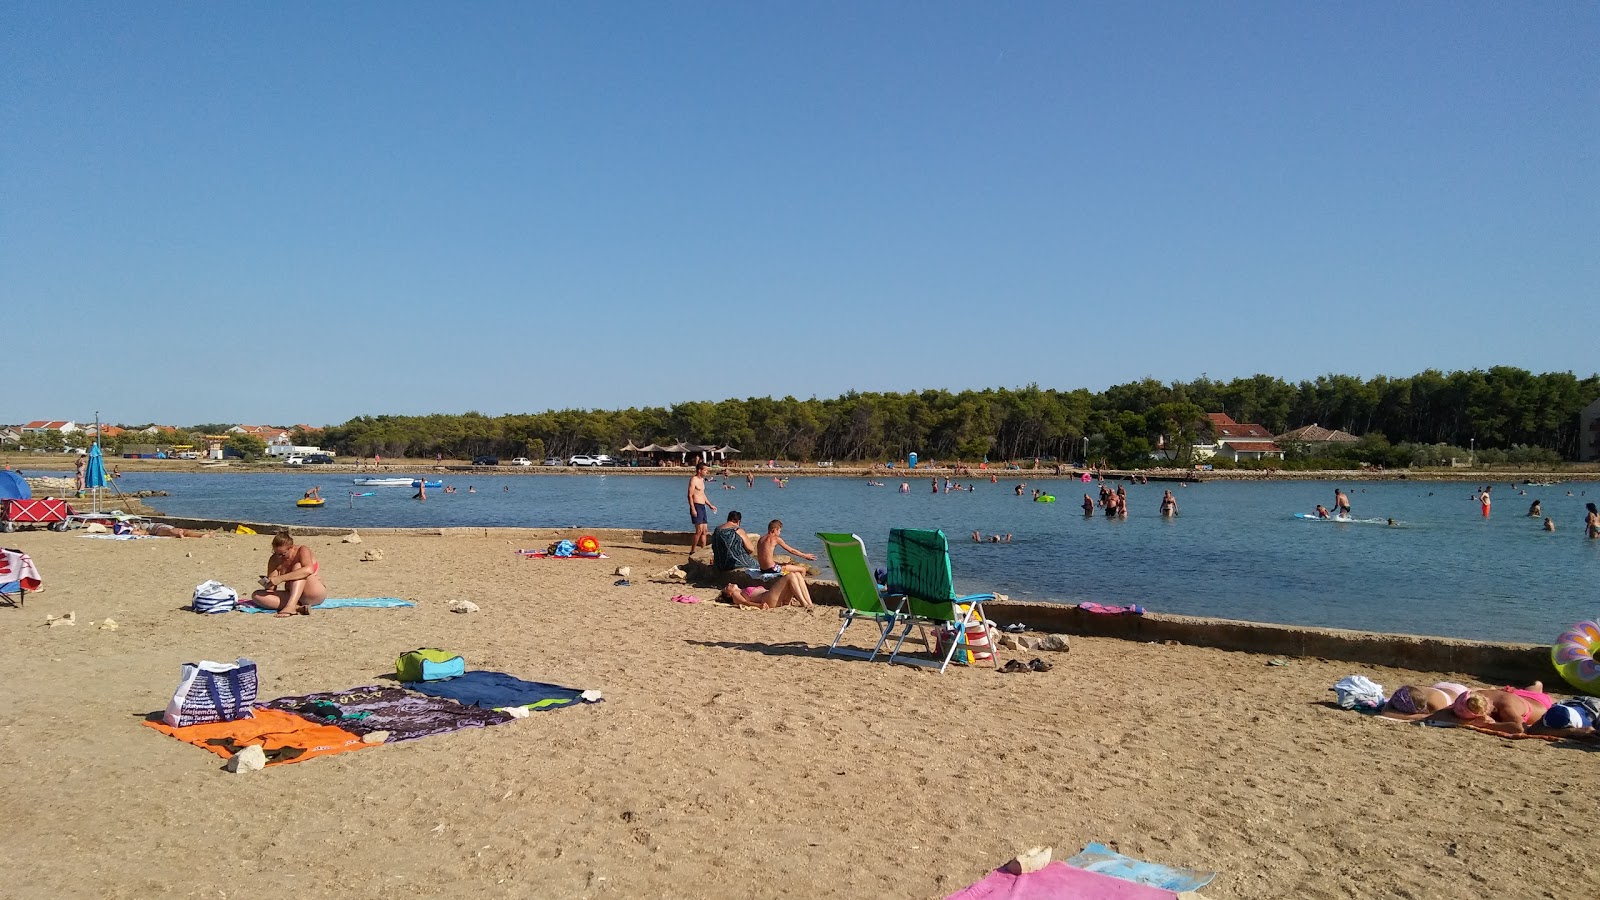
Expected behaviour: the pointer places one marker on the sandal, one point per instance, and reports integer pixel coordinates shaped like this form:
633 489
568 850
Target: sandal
1014 666
1039 665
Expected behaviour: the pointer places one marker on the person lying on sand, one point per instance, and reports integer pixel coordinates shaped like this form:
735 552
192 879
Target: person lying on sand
162 529
790 590
1509 710
292 584
1575 718
1411 702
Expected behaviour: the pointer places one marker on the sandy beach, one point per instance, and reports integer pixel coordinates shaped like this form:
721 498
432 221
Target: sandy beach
729 759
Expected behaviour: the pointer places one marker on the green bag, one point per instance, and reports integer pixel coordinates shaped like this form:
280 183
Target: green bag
429 664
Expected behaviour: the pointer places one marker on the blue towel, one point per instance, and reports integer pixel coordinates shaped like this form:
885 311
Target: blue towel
1106 861
337 603
497 690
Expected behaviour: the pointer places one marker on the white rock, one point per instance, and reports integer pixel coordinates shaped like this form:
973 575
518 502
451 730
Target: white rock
376 737
623 572
249 759
1029 861
591 696
95 528
372 556
352 538
1057 642
108 625
516 712
70 618
463 606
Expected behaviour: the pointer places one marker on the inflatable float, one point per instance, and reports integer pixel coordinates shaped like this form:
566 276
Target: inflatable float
1573 655
1045 498
310 502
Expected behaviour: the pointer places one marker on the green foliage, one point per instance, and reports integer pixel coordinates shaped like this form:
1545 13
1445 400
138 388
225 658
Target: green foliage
246 445
1528 416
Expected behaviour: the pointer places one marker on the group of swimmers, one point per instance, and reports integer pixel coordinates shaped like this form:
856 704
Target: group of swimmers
1508 710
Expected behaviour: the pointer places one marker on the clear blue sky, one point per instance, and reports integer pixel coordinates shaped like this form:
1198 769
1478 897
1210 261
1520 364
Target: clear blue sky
302 212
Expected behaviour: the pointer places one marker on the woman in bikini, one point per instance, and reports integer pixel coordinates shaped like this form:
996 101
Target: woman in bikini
1411 702
1591 522
1511 710
291 585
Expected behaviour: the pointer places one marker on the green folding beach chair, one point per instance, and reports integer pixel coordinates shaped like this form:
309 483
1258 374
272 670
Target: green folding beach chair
863 601
919 573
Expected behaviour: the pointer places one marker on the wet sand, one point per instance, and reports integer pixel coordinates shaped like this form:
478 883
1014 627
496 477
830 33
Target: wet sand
730 759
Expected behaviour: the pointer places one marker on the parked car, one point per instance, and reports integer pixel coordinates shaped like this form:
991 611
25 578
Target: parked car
583 460
486 460
522 461
554 461
604 460
294 460
319 459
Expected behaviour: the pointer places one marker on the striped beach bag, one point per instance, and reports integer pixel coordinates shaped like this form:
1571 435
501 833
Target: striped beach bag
213 692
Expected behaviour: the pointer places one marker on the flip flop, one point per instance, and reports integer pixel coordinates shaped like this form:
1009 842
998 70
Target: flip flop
1039 665
622 582
1013 667
685 598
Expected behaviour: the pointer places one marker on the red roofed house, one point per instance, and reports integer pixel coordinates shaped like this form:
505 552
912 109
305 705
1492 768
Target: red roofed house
1237 441
265 432
48 425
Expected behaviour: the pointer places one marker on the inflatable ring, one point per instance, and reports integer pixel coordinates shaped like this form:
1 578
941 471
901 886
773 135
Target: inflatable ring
587 544
1573 655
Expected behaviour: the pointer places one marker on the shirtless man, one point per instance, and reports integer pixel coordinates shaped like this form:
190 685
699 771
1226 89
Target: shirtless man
767 551
1341 503
700 509
1591 522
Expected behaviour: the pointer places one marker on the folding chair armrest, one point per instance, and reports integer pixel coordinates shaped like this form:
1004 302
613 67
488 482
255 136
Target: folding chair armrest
974 598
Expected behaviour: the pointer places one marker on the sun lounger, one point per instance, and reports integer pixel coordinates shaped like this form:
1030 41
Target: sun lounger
863 600
919 573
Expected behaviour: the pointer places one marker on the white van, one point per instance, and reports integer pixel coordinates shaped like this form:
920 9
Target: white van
294 460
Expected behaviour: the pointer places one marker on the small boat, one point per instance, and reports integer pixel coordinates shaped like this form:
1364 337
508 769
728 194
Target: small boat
310 501
383 482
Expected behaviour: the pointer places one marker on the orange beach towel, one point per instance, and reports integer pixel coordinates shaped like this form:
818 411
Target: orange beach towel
284 736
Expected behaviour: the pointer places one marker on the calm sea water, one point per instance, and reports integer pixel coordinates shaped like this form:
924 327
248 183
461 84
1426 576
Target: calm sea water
1235 551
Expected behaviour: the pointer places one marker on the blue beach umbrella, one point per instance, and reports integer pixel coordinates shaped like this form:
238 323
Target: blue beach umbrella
94 475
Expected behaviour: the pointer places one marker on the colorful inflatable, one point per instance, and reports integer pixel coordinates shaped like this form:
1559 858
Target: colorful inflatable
1573 655
587 544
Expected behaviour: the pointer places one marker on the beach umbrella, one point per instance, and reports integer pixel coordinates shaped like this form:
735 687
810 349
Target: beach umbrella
94 476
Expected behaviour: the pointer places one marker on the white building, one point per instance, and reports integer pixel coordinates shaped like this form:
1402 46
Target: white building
1237 441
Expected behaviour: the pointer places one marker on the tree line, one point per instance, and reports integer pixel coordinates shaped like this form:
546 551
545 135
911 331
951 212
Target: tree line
1501 409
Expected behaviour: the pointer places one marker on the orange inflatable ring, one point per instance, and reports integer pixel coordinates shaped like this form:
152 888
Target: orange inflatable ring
587 544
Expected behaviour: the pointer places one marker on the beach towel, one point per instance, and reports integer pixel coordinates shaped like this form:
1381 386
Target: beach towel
1106 861
1059 881
497 690
546 554
17 568
117 537
284 736
1104 610
339 603
405 715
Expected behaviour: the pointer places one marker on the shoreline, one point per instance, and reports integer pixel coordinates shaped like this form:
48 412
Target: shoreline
63 463
1508 661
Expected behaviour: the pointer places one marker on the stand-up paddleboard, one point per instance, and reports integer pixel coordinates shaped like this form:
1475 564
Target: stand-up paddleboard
1343 520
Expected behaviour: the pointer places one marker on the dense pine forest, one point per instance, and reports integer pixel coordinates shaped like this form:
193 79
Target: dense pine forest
1505 414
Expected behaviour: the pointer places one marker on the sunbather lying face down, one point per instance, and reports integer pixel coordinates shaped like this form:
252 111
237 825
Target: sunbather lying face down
1411 702
1512 710
162 529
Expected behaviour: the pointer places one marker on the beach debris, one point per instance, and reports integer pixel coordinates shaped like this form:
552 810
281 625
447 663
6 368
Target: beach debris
250 759
591 696
516 712
1056 642
1039 665
372 556
1003 598
375 737
352 538
1029 861
189 555
95 528
623 571
108 625
70 618
1280 661
463 606
685 598
675 574
622 582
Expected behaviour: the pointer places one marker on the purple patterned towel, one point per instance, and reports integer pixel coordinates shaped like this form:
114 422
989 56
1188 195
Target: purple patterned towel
404 715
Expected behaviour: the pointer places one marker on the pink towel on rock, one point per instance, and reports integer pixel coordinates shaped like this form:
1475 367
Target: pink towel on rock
1058 881
18 566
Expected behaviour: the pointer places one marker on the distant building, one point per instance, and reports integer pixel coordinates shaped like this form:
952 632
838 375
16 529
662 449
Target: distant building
1314 437
1589 433
1237 440
10 434
264 432
43 425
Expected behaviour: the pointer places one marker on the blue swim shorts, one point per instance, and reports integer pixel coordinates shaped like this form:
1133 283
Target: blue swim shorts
700 515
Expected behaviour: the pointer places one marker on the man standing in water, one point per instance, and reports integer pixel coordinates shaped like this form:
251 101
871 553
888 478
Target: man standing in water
700 509
1341 503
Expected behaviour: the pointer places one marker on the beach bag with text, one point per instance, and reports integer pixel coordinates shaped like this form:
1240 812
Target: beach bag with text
429 664
213 692
214 597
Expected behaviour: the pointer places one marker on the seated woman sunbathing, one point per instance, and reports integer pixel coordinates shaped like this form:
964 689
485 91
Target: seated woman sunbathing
790 590
292 584
1509 710
1411 702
